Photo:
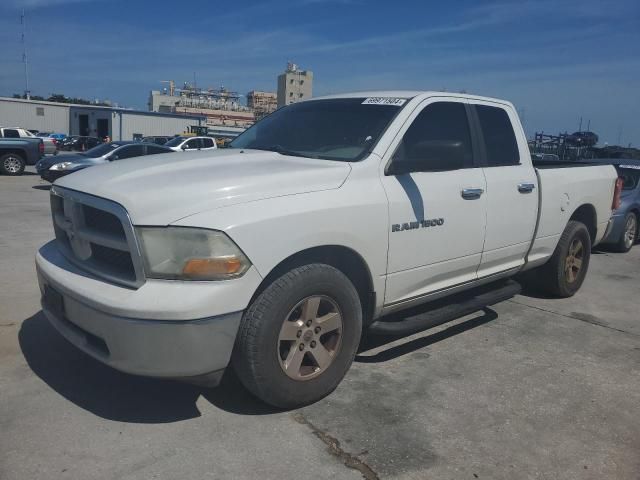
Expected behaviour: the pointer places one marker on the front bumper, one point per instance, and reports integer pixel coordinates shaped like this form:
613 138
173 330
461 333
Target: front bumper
615 229
156 330
52 175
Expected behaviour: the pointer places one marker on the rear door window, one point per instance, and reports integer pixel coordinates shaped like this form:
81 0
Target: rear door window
207 143
500 142
11 133
130 151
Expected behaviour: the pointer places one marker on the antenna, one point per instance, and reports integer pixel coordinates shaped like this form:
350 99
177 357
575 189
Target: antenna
23 21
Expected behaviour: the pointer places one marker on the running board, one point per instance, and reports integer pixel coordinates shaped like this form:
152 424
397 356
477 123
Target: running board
448 308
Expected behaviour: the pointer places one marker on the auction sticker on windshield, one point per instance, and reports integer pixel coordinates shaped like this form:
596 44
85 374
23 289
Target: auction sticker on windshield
398 102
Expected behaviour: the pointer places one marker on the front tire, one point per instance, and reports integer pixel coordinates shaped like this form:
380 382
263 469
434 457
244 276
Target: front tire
299 337
12 164
567 268
629 234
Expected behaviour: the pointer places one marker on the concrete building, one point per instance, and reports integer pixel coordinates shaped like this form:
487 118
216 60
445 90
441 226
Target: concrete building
262 103
294 85
92 120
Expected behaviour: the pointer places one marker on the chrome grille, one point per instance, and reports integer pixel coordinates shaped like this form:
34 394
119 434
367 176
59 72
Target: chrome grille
96 235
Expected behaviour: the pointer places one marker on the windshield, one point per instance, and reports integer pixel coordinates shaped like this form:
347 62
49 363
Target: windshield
344 129
174 142
101 150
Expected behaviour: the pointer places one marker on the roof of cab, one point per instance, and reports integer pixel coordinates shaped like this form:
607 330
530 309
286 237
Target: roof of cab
410 94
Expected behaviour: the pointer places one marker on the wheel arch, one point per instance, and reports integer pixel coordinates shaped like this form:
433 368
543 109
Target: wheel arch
587 215
345 259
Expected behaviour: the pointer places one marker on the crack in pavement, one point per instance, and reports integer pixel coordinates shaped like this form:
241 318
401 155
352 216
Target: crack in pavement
579 317
333 445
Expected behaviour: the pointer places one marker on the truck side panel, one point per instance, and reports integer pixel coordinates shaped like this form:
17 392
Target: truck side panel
564 190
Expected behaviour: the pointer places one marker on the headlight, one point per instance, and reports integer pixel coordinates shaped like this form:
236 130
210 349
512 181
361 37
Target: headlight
64 166
182 253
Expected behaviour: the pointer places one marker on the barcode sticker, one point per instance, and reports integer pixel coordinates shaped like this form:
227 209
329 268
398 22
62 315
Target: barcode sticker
398 102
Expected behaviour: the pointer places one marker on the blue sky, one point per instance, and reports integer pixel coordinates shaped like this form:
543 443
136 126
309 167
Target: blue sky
555 60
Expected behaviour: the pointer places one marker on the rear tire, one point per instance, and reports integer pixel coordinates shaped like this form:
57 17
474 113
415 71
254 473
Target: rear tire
12 164
299 337
565 271
629 235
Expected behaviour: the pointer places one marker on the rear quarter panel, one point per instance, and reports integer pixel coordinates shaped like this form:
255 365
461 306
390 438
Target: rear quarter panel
563 191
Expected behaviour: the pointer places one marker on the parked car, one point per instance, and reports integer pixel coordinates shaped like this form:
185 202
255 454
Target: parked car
79 143
180 144
625 232
58 136
157 139
16 153
316 223
50 147
51 169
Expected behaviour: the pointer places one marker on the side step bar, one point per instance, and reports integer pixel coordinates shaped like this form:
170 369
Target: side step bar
446 309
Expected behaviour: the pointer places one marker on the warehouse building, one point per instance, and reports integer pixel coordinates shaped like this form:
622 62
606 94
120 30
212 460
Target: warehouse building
92 120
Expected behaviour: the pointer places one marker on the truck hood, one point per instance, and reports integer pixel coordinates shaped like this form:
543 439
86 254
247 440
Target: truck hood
161 189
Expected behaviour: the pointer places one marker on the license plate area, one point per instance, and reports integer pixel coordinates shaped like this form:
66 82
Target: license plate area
54 301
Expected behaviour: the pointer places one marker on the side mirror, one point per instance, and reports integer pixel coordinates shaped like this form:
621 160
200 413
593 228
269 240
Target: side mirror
428 156
113 157
184 147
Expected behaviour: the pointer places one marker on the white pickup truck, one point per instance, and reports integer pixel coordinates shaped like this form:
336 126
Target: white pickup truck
322 219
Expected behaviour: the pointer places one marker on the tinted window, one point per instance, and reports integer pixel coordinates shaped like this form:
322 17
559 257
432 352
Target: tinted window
499 139
101 150
11 133
174 142
207 143
130 151
193 143
630 178
333 129
438 139
153 149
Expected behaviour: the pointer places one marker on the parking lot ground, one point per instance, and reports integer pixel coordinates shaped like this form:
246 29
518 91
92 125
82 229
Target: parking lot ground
531 388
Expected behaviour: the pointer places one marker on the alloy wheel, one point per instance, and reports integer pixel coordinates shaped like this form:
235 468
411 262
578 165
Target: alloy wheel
310 337
630 231
12 164
573 262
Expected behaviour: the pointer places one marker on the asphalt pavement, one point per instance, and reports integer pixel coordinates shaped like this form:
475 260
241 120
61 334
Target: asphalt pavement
533 387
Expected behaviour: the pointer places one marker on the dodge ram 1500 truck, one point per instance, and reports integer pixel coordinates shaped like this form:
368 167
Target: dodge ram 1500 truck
320 221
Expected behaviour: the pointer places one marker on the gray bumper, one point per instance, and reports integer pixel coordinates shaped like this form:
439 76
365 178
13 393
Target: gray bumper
105 321
156 348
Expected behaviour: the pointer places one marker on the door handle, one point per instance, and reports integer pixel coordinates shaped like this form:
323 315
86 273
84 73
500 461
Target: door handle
471 193
526 187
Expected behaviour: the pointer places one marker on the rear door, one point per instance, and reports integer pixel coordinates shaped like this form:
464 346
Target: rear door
437 214
512 187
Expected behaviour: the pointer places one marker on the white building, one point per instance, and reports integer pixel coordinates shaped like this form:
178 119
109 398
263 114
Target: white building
92 120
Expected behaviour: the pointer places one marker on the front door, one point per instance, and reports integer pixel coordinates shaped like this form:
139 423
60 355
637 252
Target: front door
438 210
512 188
103 127
83 124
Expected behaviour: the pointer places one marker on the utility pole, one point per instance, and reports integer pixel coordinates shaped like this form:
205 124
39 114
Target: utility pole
23 21
580 126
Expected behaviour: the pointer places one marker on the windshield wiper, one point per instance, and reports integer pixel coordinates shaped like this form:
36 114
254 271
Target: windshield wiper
283 151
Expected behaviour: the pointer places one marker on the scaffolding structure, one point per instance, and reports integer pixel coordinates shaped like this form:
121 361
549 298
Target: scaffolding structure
562 145
190 96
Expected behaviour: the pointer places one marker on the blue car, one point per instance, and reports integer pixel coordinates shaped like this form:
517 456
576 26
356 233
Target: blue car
624 231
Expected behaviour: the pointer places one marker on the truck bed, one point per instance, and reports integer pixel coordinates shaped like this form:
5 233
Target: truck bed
547 164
